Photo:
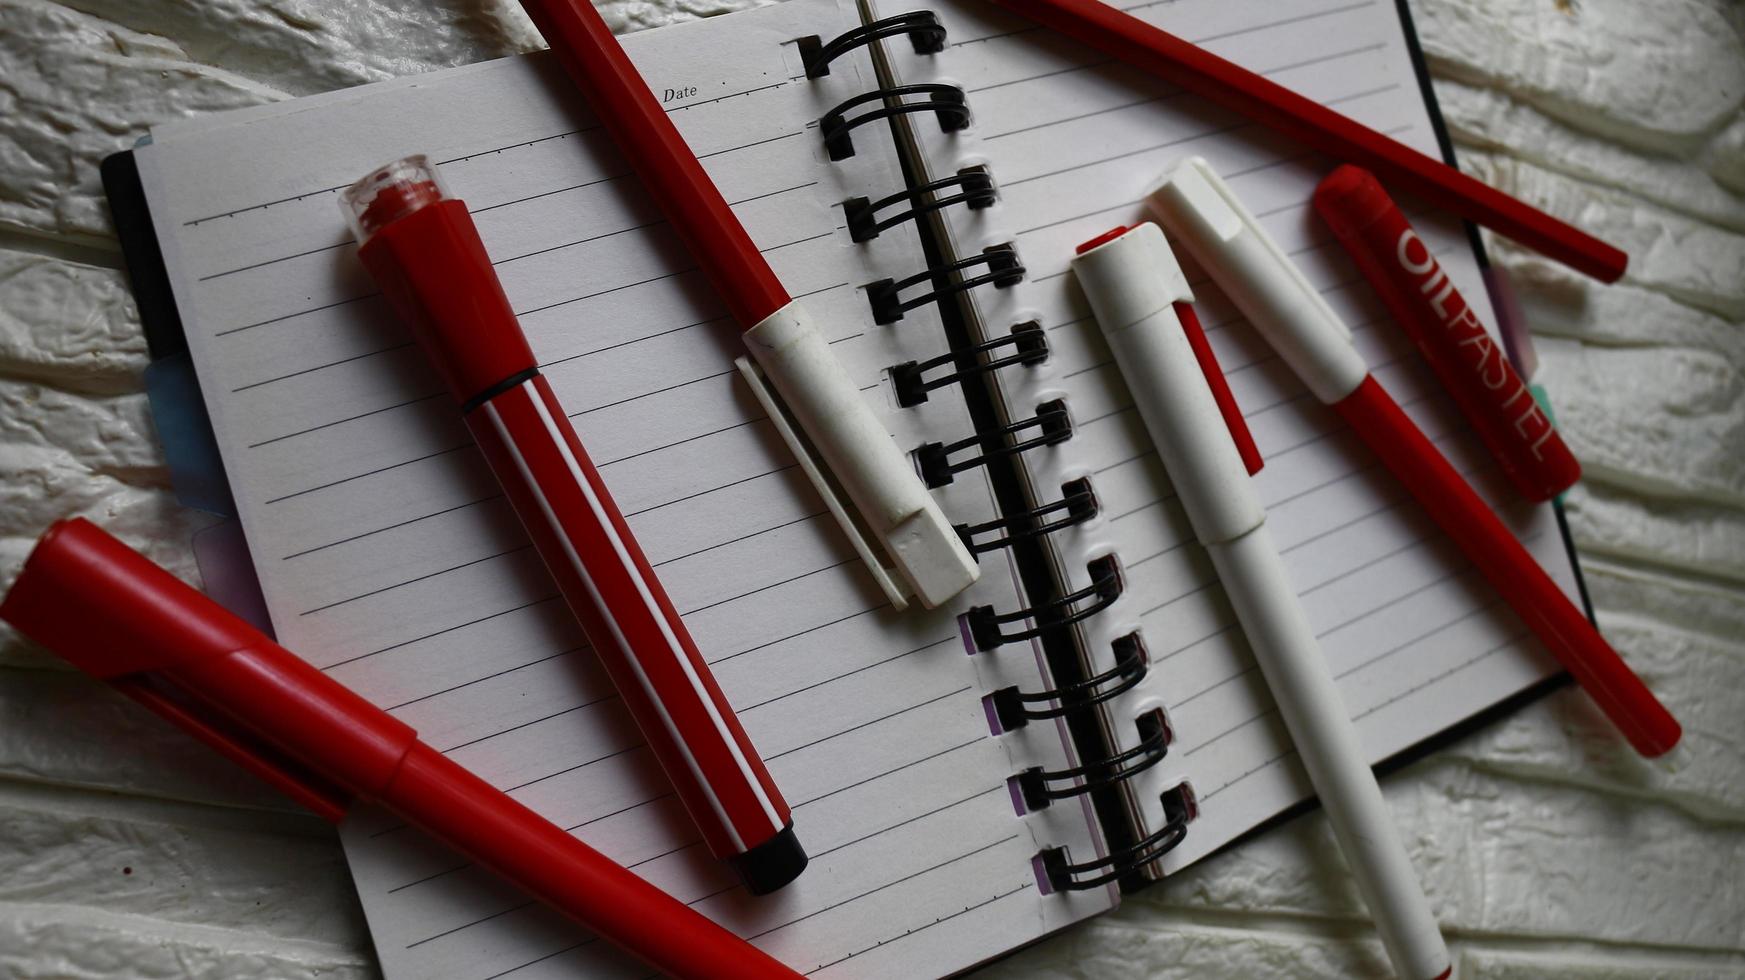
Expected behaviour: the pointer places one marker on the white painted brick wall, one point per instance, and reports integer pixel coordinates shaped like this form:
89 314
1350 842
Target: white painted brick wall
1548 850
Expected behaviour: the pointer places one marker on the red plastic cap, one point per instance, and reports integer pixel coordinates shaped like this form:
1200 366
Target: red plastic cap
1350 199
389 193
148 619
1103 239
433 268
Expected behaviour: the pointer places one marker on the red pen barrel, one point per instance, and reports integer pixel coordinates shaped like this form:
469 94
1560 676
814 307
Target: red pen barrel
107 610
1128 39
469 815
657 152
1487 543
636 632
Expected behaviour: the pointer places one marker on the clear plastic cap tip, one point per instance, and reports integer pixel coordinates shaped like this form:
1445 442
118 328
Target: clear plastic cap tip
389 193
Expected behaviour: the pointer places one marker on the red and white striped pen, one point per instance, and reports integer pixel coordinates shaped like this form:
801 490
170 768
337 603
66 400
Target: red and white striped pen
421 247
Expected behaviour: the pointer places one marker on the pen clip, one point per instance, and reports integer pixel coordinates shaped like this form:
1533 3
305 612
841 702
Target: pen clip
109 611
1217 205
171 703
1221 393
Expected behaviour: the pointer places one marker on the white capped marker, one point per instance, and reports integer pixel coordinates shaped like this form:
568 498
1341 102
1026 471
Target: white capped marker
1140 298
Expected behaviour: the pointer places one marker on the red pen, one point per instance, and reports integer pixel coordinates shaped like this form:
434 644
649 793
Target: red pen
910 535
1423 301
421 247
113 614
1126 38
1204 216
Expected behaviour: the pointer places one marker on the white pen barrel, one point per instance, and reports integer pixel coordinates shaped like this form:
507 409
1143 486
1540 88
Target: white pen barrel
1308 698
1133 282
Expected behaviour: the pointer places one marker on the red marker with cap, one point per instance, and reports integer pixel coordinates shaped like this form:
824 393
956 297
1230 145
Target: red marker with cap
112 613
421 247
1205 217
1472 366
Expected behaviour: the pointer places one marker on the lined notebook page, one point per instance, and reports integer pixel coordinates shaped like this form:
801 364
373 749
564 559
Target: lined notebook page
389 558
1417 639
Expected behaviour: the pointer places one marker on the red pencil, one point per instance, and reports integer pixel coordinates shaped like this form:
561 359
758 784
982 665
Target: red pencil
1127 38
913 534
421 247
113 614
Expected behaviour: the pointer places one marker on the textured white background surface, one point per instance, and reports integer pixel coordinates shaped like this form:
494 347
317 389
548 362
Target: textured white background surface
1549 851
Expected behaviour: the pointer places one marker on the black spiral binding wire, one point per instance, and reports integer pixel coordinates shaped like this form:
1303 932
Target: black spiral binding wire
975 191
1042 787
909 379
1004 269
1013 708
925 32
987 626
1180 807
1077 504
944 101
1052 424
1026 344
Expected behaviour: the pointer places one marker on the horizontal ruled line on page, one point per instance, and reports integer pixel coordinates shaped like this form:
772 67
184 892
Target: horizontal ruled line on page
276 260
891 772
1280 69
372 472
1464 571
1158 3
583 185
469 925
913 819
311 370
593 182
626 750
602 699
486 152
448 629
773 585
831 680
292 316
350 418
1219 131
391 527
966 910
623 809
888 884
421 578
810 629
866 724
541 959
494 674
1281 756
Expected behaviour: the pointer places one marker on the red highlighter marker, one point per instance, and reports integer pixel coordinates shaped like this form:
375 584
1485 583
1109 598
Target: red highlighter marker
1207 219
901 533
1423 301
1126 38
113 614
423 251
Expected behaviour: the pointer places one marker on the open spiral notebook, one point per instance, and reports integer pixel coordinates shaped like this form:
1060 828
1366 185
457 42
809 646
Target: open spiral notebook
929 767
